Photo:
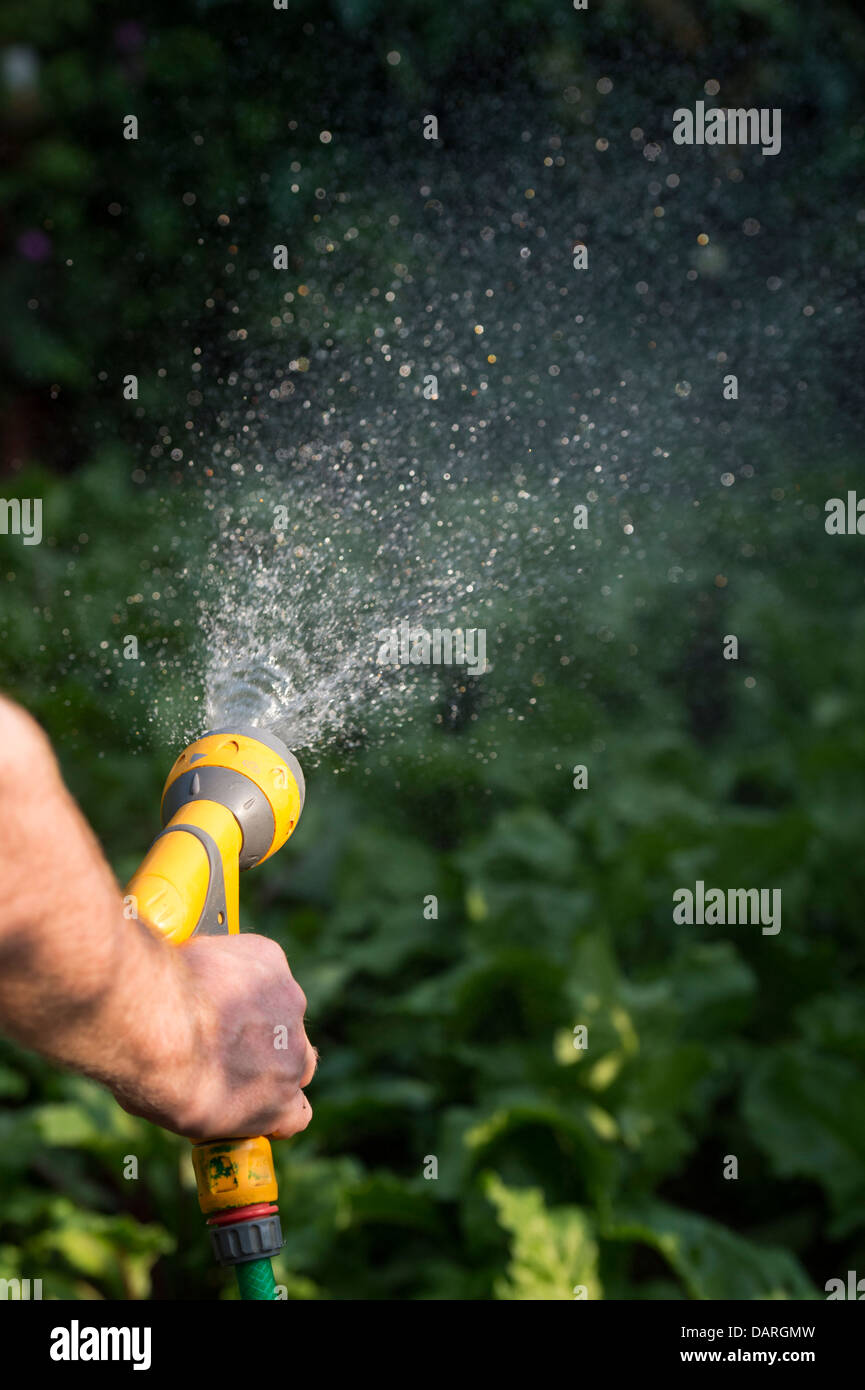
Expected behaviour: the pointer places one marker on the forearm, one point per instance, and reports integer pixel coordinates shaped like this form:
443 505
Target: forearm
183 1036
79 982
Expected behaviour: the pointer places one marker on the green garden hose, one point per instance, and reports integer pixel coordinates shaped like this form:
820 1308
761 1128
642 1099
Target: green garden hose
255 1280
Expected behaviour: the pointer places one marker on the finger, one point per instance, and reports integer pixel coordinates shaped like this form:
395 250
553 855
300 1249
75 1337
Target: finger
309 1065
294 1118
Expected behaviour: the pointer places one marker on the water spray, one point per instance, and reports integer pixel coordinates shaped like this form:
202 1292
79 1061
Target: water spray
231 800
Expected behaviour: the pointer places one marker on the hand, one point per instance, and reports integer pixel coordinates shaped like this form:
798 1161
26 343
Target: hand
183 1035
233 1053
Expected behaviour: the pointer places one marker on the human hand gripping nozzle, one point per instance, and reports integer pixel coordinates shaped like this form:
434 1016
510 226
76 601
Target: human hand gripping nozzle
230 801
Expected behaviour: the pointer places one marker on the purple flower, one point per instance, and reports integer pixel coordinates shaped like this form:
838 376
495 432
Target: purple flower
34 245
129 36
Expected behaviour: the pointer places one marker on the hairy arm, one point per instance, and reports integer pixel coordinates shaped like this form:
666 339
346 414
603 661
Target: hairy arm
183 1036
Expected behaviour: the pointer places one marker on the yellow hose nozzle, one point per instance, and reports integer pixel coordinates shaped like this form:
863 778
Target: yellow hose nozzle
231 800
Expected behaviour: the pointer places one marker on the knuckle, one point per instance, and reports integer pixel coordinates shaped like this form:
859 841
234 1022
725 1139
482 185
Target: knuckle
296 1119
272 948
310 1064
269 959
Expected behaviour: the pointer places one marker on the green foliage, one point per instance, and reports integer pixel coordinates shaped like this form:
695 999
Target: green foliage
67 1217
551 1252
807 1110
453 1037
712 1262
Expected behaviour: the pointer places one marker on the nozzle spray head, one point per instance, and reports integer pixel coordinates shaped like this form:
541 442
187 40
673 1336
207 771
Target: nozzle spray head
253 775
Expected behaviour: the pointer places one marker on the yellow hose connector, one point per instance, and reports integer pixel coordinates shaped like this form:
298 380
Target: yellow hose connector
234 1173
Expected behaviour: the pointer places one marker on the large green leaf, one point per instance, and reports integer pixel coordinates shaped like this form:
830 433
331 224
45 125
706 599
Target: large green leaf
805 1110
711 1261
553 1253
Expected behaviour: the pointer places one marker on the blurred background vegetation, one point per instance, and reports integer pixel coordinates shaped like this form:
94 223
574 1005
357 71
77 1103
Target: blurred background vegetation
452 1037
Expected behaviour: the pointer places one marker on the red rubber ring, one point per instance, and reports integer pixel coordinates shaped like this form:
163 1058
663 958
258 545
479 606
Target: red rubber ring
244 1213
